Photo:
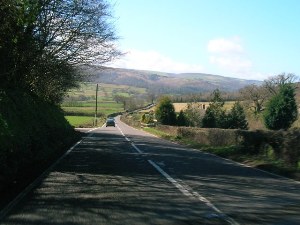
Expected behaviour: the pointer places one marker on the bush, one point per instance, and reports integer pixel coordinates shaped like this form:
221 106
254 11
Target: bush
285 144
281 111
165 112
291 149
181 119
236 118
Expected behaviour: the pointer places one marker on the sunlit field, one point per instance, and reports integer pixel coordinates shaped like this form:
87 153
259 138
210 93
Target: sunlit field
80 104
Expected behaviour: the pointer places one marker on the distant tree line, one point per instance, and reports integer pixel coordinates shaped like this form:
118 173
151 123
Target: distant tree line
204 97
131 102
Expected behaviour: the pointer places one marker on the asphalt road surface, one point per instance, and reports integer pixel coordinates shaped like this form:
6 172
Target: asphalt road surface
119 175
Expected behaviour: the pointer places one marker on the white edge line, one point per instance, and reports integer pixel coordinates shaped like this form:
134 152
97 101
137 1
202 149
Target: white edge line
20 196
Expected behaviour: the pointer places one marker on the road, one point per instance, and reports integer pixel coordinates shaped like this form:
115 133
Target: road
120 175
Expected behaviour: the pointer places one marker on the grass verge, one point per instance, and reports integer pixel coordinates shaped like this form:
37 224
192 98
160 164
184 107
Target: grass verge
84 121
261 161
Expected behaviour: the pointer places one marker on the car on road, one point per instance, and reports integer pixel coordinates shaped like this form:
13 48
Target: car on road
110 122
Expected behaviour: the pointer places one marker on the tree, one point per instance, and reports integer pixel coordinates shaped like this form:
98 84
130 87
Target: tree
181 119
236 118
215 115
254 97
209 120
273 84
151 96
194 114
165 111
281 110
42 43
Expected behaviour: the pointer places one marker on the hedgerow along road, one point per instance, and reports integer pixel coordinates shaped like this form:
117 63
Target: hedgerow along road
120 175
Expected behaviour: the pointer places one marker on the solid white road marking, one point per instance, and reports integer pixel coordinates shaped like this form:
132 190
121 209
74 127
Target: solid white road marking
181 188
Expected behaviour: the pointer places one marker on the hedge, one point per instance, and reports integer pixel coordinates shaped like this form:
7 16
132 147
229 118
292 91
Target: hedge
32 133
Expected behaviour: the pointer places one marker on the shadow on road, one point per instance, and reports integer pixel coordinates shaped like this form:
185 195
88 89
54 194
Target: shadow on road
105 181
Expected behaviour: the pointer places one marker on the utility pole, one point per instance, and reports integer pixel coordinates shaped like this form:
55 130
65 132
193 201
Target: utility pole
96 108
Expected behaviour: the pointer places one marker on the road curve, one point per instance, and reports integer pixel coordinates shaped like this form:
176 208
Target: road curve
120 175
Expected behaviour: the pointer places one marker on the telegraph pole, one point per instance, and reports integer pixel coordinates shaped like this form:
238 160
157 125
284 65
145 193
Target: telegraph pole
96 108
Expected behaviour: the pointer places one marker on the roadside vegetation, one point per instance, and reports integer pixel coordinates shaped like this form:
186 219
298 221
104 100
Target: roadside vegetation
225 131
273 151
43 46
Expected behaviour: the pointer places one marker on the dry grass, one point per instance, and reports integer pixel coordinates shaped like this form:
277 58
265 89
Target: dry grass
183 106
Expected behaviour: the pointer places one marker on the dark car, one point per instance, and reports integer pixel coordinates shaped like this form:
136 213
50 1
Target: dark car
110 122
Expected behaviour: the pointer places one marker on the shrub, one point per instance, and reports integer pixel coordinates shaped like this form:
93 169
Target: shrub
194 114
181 119
281 110
165 112
236 118
147 118
215 116
291 149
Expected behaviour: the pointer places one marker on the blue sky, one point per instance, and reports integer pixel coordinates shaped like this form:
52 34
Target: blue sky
251 39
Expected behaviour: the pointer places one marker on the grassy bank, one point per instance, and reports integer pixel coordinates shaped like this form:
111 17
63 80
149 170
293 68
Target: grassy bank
33 134
263 160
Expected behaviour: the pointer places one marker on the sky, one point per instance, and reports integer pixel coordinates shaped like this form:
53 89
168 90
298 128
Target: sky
248 39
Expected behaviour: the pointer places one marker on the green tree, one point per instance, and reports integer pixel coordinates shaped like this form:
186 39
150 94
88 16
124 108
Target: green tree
236 118
181 119
194 114
215 115
209 120
165 111
281 110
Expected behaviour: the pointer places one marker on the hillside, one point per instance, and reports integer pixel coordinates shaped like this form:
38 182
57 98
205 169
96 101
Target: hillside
167 83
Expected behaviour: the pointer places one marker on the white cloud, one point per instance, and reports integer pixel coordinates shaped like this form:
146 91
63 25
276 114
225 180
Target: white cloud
234 64
230 56
222 45
152 60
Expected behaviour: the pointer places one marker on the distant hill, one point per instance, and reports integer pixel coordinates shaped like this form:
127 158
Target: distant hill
167 83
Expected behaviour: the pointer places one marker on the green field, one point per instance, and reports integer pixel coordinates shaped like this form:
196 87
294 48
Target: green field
79 104
84 121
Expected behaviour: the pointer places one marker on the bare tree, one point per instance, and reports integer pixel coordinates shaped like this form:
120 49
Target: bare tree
254 97
79 32
274 83
42 42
